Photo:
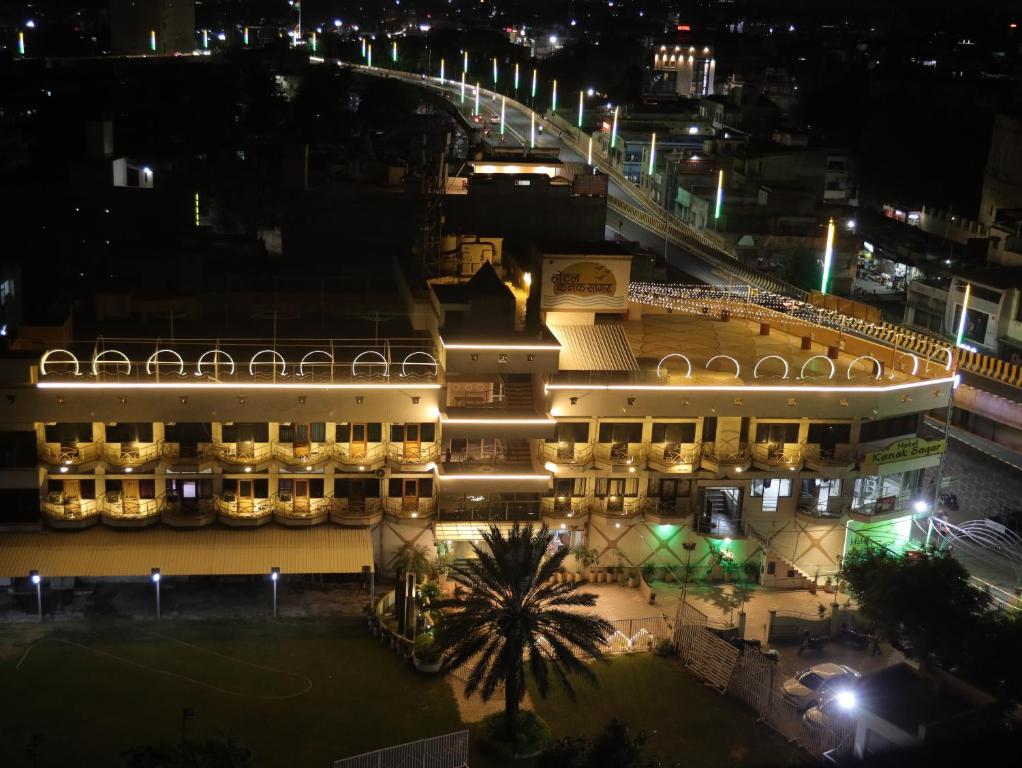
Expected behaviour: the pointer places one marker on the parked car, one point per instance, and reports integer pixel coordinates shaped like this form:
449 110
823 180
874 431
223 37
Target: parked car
852 638
816 683
832 713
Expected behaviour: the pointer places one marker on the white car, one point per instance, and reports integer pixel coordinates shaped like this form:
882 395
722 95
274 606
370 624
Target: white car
835 713
818 682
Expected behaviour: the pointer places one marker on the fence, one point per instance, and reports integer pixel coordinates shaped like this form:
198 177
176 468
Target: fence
447 751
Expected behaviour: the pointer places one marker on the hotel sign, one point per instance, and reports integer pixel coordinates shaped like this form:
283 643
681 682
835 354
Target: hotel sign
589 284
905 450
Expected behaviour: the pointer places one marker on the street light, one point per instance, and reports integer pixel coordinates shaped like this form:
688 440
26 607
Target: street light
274 578
441 71
613 129
581 105
154 574
652 154
961 321
846 699
921 506
553 101
828 256
516 80
37 580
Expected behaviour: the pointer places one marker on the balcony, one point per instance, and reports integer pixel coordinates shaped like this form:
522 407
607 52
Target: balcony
128 512
60 512
358 513
302 454
778 455
826 458
242 454
410 507
130 454
69 455
412 457
568 455
575 507
177 512
721 458
674 457
243 512
658 510
184 454
300 511
830 507
618 506
491 511
867 510
360 455
620 455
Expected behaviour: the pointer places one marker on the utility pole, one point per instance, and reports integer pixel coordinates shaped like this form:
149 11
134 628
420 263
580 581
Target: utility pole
689 546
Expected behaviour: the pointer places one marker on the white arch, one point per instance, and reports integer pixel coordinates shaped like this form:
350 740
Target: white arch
755 370
432 362
277 357
301 365
950 357
217 354
915 360
97 360
833 368
865 357
738 368
46 358
155 358
383 362
688 374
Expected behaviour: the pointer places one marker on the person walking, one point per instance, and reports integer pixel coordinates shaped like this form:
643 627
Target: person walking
805 643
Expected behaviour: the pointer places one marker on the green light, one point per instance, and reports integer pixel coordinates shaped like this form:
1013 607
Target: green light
581 106
476 112
516 78
462 86
553 101
652 154
828 256
720 194
363 43
369 55
441 71
393 51
205 38
961 320
494 71
503 105
534 74
21 43
314 42
152 40
613 129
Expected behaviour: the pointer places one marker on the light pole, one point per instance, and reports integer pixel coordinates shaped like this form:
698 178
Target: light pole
581 106
553 100
828 256
274 578
154 574
37 580
689 546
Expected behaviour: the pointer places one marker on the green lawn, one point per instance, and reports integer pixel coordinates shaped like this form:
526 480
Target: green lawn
92 691
686 722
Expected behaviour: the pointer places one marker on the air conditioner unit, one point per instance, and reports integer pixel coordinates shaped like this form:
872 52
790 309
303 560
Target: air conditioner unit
229 496
113 496
284 495
55 498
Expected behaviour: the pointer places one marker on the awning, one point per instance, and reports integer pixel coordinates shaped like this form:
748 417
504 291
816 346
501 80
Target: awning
594 348
472 531
213 551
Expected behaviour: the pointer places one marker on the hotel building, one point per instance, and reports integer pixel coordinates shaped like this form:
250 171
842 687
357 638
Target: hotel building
632 417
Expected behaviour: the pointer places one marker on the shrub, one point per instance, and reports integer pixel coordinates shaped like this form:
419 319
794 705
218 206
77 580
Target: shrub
530 735
426 649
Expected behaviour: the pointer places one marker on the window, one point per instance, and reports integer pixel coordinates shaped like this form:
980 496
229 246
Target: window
19 505
130 432
772 486
355 487
791 573
572 432
674 432
188 433
617 486
570 486
410 486
776 433
147 489
358 433
302 433
771 568
621 432
830 434
709 429
246 432
17 449
886 429
402 433
68 432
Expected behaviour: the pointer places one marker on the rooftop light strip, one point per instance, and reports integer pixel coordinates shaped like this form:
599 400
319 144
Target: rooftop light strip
185 385
502 347
446 420
482 476
793 388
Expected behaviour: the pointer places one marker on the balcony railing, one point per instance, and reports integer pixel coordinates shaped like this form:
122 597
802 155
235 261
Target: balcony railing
478 453
233 507
286 507
834 506
185 453
402 453
497 511
666 507
771 455
410 507
69 455
371 455
69 510
670 455
298 455
621 454
344 508
565 506
624 506
242 453
714 456
130 454
829 456
568 454
115 506
895 504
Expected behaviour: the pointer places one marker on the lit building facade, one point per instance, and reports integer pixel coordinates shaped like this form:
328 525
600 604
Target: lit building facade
685 70
630 417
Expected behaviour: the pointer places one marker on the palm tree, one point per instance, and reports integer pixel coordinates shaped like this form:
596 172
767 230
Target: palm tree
512 616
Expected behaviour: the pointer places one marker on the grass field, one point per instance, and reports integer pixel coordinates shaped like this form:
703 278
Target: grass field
303 693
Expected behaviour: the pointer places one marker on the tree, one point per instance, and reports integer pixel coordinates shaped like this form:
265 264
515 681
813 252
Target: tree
925 594
615 747
512 616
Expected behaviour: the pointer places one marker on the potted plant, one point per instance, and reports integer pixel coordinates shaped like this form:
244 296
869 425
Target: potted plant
622 575
828 585
444 561
633 578
648 572
586 559
426 655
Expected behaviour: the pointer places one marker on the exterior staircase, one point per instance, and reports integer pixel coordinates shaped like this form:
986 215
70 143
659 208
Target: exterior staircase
518 394
517 451
769 548
717 502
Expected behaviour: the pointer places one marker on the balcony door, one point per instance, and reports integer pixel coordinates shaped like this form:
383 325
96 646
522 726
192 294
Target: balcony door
129 496
301 444
410 494
358 444
246 496
412 442
301 496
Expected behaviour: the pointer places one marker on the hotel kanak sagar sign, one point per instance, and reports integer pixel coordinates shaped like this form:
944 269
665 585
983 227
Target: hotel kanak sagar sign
585 284
905 450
